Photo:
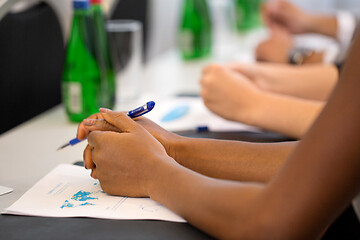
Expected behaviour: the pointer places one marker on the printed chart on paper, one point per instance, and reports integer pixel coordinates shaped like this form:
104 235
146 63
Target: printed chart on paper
69 191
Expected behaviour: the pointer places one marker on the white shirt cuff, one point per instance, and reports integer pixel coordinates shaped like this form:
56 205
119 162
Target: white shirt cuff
346 29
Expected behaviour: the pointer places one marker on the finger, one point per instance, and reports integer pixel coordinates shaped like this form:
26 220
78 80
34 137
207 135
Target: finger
274 12
94 138
98 125
97 154
93 173
210 68
120 120
278 6
206 69
83 132
265 14
88 163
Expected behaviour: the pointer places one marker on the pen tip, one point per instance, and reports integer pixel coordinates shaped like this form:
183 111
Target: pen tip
63 146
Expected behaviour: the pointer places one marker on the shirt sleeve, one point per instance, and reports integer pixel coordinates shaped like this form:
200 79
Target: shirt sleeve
346 29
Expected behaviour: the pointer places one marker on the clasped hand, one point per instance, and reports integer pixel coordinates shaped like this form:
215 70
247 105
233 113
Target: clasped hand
122 154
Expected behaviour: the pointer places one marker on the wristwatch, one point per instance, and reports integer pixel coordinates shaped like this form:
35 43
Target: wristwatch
298 55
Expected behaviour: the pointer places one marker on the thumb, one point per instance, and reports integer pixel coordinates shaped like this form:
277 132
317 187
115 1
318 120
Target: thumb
120 120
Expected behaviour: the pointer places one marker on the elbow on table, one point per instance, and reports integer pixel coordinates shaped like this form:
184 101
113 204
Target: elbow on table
260 225
259 232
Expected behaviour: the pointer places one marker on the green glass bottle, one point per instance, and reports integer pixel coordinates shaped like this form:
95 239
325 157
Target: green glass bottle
108 84
81 76
195 30
247 14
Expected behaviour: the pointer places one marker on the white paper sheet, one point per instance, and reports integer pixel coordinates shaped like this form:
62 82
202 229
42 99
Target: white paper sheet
197 115
69 191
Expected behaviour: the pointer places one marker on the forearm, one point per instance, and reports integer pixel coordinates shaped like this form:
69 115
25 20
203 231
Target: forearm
233 160
222 208
316 183
321 24
314 82
285 114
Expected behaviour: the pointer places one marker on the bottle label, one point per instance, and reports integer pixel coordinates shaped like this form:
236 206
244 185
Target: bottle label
187 41
75 99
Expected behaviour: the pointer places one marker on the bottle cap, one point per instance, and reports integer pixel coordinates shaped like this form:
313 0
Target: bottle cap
96 1
81 4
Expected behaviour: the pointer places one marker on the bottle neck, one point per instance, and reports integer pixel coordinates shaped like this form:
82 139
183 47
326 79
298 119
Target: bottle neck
196 6
80 12
96 7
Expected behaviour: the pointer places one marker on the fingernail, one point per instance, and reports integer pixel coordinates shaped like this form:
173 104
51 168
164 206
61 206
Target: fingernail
105 110
89 122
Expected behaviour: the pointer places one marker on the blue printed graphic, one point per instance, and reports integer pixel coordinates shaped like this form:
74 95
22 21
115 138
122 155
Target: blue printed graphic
82 196
86 204
176 113
80 199
67 205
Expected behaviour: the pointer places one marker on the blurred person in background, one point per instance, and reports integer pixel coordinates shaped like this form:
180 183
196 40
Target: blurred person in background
285 20
277 96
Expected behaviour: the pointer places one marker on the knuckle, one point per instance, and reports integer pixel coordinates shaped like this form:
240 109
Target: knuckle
93 175
106 187
216 68
207 68
207 81
98 137
211 68
95 116
96 156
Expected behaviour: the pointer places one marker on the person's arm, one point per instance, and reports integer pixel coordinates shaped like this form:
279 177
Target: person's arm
317 182
297 21
322 24
285 114
280 47
314 82
234 97
284 15
232 160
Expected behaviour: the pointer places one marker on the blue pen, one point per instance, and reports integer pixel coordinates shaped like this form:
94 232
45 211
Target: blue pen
137 112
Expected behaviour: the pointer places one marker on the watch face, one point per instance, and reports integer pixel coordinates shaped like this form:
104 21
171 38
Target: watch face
297 56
